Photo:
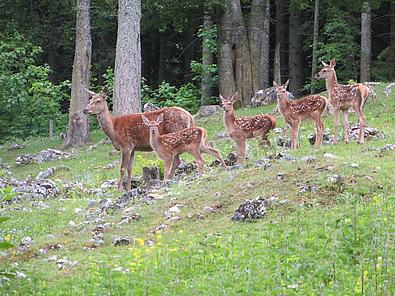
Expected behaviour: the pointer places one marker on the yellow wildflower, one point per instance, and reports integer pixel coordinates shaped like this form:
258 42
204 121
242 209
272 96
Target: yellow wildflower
140 241
7 237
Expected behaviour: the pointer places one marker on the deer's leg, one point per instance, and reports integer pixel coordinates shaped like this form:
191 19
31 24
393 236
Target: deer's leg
176 162
362 124
335 124
167 167
174 165
345 126
294 134
214 152
124 165
199 159
241 150
130 166
319 131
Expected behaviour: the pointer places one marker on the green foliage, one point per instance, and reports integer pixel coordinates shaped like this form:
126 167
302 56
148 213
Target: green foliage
380 69
338 42
28 99
5 194
187 96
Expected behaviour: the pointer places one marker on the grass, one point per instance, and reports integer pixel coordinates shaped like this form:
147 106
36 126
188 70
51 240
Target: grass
336 241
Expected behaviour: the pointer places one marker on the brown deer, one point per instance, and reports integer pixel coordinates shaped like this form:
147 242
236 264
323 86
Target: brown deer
344 97
169 146
243 128
296 111
128 133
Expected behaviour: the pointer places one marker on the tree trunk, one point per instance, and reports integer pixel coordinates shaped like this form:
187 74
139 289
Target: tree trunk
162 56
392 41
127 74
282 34
226 77
207 61
244 80
366 42
295 60
277 63
78 132
256 32
315 41
188 52
264 63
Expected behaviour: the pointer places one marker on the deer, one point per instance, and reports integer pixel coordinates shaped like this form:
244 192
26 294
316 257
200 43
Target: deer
128 133
242 128
342 98
296 111
169 146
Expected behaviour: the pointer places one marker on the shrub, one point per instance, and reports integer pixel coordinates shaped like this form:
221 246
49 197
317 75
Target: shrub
28 99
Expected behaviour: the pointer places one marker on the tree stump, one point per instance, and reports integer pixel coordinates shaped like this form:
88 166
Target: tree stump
150 173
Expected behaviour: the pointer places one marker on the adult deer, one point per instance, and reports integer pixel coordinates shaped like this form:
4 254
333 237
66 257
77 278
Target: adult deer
169 146
342 98
128 133
296 111
242 128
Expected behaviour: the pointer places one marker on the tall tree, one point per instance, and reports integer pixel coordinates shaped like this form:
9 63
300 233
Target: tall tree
226 59
78 132
256 33
127 74
392 41
295 60
366 41
264 63
281 36
207 60
315 42
162 56
244 75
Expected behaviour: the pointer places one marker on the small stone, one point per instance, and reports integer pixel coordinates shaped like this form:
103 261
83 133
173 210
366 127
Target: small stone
15 146
121 241
308 159
355 165
330 155
208 209
334 179
72 223
173 218
77 211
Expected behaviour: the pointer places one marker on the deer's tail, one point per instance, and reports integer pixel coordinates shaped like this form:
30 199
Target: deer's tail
273 122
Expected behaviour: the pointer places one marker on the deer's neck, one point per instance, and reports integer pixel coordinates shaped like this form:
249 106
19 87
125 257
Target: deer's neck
229 119
330 84
106 123
154 139
282 104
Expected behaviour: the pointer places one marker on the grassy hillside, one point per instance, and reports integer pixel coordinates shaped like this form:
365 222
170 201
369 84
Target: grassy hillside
337 239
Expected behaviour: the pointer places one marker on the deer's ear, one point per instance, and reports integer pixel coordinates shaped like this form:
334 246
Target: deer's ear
105 91
159 120
275 84
222 98
286 84
145 120
324 64
234 97
91 93
333 63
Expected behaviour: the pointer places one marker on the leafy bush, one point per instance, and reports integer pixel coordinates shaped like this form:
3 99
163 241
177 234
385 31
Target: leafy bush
5 194
28 99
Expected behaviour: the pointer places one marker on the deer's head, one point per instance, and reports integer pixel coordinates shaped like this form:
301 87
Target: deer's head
281 90
153 124
227 104
327 71
97 102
